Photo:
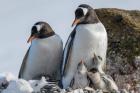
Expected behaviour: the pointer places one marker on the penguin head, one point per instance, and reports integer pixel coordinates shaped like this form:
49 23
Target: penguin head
85 14
81 67
94 70
40 30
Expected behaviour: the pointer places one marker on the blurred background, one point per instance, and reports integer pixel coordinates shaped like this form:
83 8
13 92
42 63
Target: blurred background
17 18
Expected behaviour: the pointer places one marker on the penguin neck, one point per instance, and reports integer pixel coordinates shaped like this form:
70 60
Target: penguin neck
96 78
96 27
47 35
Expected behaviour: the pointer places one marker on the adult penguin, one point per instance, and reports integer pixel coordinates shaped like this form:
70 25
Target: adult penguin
44 56
88 37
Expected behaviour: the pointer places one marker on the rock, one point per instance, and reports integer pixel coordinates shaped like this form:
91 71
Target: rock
51 89
123 55
98 91
123 91
137 62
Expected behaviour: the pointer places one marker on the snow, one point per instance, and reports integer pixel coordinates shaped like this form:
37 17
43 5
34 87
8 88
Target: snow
5 78
78 91
22 86
38 84
15 85
18 86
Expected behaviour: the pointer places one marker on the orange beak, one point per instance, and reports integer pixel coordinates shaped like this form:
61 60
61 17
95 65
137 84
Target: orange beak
31 38
75 22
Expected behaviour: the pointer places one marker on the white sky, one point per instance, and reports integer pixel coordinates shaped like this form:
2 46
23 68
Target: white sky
18 16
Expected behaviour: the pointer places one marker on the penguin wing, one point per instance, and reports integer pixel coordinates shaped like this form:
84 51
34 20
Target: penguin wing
108 76
67 51
106 81
109 81
23 64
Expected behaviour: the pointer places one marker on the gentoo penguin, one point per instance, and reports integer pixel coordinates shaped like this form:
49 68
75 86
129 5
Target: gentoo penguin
44 56
80 79
88 37
102 81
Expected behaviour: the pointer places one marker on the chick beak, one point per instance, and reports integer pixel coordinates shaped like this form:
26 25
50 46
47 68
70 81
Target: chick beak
81 62
31 38
75 22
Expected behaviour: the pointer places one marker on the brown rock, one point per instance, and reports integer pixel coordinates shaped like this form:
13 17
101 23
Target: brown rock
123 28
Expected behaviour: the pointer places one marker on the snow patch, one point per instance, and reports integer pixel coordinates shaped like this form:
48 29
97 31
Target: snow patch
18 86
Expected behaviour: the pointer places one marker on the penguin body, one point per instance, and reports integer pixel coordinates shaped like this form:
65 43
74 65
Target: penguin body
43 57
103 82
88 37
80 79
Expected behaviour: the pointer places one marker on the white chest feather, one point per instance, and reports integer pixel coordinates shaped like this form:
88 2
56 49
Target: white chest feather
41 49
89 39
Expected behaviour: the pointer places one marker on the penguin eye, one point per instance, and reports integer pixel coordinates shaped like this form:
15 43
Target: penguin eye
79 13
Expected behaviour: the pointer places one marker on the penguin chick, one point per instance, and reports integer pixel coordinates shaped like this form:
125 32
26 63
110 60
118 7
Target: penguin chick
102 81
80 79
97 60
44 55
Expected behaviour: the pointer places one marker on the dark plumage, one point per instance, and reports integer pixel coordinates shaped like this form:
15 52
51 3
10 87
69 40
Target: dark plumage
90 16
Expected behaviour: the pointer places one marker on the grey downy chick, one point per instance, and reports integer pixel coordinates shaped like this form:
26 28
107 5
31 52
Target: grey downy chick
102 81
80 79
96 63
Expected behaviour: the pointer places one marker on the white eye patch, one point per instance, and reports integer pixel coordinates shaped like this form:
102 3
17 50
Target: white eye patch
85 10
38 27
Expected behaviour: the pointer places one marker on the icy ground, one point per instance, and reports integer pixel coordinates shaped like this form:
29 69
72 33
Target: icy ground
10 84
